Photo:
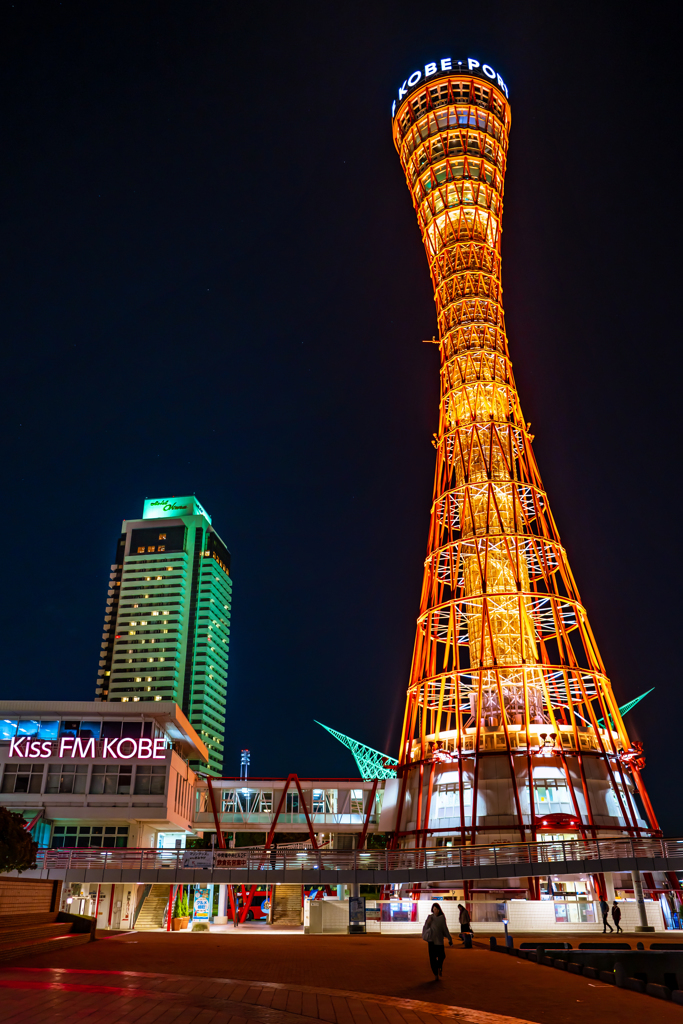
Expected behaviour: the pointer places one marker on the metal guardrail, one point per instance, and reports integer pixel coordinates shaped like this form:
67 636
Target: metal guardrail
455 857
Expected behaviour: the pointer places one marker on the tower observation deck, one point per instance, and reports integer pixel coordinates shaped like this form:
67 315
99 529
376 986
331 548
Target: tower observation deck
511 727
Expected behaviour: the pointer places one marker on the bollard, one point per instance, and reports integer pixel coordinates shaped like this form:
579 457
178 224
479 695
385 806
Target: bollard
467 940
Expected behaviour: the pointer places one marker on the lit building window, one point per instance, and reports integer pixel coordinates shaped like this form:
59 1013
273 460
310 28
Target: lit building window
141 551
162 536
151 549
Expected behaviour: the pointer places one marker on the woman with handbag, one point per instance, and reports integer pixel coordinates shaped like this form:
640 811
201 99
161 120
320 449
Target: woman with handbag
434 932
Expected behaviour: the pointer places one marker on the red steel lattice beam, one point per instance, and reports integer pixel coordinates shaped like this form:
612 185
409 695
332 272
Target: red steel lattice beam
506 670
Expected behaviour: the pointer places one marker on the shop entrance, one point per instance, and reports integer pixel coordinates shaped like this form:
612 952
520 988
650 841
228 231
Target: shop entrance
171 840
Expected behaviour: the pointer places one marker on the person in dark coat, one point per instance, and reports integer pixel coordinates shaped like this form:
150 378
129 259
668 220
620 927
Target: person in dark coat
435 931
604 910
616 916
465 921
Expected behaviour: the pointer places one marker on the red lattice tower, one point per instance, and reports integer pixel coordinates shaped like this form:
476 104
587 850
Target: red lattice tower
509 710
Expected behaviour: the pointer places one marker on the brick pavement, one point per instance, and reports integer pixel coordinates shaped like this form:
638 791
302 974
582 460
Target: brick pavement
36 995
337 979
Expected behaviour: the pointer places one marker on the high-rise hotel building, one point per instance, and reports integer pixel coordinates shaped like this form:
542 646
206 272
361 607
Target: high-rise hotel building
167 624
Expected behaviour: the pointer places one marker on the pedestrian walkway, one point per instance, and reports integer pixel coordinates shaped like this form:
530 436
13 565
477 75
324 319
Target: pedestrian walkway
339 979
30 995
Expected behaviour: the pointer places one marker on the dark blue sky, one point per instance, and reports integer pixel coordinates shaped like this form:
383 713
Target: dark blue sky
213 282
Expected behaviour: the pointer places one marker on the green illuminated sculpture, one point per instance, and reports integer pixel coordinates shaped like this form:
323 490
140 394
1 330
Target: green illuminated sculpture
627 707
372 764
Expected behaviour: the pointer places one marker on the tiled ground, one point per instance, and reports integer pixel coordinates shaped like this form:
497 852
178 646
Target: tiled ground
33 995
296 979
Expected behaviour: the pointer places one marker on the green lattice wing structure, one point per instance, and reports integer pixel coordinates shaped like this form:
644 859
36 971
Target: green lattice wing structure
372 764
631 704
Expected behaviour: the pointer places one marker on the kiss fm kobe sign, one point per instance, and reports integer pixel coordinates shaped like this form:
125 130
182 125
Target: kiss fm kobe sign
443 67
75 749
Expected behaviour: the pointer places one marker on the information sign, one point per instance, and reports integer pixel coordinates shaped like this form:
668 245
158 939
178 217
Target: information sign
226 859
201 909
197 859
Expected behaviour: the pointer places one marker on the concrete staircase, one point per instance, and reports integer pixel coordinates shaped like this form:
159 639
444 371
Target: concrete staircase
151 914
30 934
287 905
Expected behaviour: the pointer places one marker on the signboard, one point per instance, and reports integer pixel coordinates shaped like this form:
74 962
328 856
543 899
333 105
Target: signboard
202 903
73 748
226 859
445 66
357 914
173 508
197 859
373 914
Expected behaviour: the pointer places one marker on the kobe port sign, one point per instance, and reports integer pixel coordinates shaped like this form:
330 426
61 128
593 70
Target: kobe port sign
76 749
444 66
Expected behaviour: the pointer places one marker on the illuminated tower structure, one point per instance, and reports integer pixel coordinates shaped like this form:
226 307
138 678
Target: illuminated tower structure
511 728
166 628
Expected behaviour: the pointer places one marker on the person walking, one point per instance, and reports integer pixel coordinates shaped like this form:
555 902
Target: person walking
616 916
465 921
604 910
434 932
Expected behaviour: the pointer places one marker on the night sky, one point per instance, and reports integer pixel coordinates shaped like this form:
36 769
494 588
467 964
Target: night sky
213 283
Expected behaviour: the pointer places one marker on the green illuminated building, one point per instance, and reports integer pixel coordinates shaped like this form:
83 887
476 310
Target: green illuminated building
167 624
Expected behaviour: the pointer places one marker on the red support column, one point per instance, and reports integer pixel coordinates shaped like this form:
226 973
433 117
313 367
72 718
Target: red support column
232 905
171 900
219 834
247 904
371 801
271 833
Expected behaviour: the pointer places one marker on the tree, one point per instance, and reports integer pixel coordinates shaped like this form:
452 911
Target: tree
17 848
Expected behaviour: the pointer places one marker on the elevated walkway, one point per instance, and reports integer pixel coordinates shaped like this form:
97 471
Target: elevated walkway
367 867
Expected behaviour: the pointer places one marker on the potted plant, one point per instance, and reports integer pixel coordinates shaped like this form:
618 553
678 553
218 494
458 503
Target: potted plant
177 916
184 912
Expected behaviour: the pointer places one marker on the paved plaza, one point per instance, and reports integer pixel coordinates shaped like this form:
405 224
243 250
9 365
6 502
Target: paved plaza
252 975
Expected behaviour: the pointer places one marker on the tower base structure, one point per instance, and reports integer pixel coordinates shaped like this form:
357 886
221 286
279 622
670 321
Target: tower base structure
551 794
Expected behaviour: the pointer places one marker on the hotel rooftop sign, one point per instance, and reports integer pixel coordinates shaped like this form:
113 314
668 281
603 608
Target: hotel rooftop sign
165 508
